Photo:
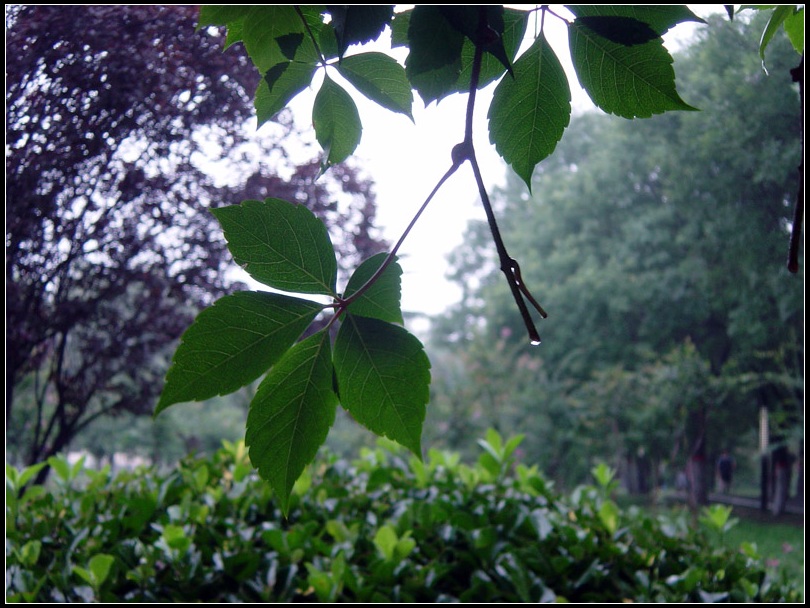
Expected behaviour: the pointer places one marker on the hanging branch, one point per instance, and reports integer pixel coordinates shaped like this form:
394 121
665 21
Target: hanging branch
798 211
466 151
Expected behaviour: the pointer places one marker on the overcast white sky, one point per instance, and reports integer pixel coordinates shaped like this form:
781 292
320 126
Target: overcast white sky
405 160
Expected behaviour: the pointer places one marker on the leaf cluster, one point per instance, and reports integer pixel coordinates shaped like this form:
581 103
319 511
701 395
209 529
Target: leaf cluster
376 369
384 527
617 51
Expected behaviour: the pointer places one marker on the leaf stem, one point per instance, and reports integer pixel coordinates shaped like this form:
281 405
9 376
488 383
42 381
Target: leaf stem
341 303
311 36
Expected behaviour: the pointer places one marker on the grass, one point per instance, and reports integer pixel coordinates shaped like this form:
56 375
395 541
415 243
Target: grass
781 544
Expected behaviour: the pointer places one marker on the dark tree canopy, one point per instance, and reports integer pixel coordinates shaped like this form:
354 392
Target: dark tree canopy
110 250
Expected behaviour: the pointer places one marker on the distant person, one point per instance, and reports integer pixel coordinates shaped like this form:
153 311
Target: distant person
782 459
725 471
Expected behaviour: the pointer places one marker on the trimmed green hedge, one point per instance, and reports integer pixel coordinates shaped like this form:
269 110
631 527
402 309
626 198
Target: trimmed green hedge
383 528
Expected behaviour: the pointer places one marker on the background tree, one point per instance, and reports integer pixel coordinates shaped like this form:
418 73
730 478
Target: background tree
643 236
123 126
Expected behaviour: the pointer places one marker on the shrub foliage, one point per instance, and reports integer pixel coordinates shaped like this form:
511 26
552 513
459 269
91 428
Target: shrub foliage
386 527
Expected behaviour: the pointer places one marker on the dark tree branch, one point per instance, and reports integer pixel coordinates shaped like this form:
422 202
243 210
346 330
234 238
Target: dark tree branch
798 211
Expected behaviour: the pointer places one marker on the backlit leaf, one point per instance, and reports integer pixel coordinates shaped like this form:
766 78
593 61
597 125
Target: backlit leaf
279 86
621 30
492 68
291 414
382 299
629 81
232 343
794 28
660 18
280 244
380 78
529 112
383 378
336 121
359 24
434 60
778 16
265 32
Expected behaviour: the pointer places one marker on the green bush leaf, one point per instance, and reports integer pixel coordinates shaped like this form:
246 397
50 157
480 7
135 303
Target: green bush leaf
234 342
629 81
660 18
279 86
380 78
382 299
291 414
383 377
60 466
530 111
336 121
100 567
280 244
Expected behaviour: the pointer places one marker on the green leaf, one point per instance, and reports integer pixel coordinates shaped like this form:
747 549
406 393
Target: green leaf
382 299
492 68
280 244
621 30
359 24
291 414
433 64
383 376
778 17
380 78
336 121
232 343
27 474
60 466
279 86
609 516
629 81
399 28
529 112
100 567
266 33
794 28
659 17
221 15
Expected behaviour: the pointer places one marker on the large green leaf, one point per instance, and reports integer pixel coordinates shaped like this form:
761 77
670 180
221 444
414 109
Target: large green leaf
359 24
279 86
778 17
794 28
383 378
380 78
336 121
232 343
382 299
222 15
280 244
291 414
659 17
529 112
630 81
433 64
274 34
492 68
